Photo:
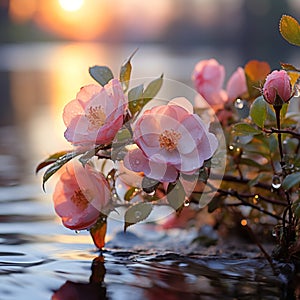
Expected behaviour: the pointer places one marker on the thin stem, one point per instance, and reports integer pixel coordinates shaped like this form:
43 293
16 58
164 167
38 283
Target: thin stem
277 112
262 249
287 131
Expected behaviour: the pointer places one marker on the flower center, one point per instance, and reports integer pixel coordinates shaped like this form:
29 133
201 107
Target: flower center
80 200
169 139
96 117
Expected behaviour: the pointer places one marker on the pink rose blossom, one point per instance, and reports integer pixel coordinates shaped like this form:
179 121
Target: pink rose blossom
277 88
236 85
170 139
96 115
79 196
208 77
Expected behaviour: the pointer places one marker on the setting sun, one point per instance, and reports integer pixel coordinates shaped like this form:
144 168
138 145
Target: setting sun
71 5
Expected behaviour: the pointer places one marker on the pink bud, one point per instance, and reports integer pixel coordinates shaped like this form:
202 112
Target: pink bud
277 88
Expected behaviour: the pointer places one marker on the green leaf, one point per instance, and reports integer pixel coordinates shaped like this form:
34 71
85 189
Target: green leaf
137 213
149 185
152 89
296 209
58 164
101 74
89 154
130 194
122 139
50 160
215 203
258 111
176 195
245 129
291 180
125 72
253 163
290 29
135 99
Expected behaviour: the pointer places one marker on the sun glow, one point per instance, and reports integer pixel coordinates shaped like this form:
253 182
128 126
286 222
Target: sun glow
71 5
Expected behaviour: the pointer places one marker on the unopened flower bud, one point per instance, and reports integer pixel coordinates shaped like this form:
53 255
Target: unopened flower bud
277 89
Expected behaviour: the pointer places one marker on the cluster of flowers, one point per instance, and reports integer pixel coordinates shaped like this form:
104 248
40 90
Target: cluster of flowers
168 140
209 75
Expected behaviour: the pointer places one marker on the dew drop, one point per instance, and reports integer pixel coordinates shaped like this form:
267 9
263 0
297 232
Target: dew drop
137 162
231 147
138 214
77 231
276 182
186 202
239 104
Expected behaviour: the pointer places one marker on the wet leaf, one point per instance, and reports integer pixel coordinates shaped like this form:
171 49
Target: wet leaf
101 74
176 195
130 194
253 163
152 89
215 203
58 164
98 232
149 185
89 154
137 213
50 160
258 111
245 129
123 138
291 180
290 29
125 72
256 72
135 99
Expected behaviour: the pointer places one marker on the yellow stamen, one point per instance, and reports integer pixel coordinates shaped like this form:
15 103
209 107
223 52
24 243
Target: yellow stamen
80 200
169 139
96 117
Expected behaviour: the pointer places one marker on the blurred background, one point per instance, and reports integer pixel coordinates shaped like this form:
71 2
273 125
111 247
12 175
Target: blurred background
46 47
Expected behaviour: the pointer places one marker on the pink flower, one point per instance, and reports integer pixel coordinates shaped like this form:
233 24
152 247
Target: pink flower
277 88
208 77
79 196
96 115
236 85
171 139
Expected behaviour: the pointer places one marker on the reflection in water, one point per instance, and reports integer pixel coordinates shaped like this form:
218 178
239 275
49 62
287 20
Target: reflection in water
127 275
37 254
93 290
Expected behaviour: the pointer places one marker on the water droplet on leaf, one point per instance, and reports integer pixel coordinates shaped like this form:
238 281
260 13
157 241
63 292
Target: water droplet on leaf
276 182
186 202
138 214
239 104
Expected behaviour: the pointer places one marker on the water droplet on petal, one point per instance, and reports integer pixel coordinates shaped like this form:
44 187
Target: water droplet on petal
239 104
137 162
138 214
276 182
